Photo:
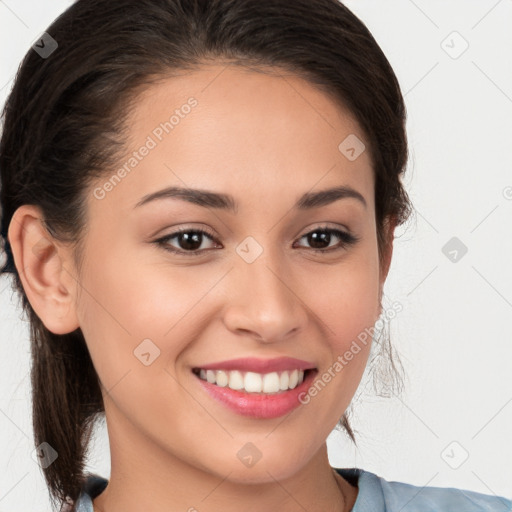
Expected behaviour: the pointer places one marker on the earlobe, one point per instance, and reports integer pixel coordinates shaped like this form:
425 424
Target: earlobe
41 264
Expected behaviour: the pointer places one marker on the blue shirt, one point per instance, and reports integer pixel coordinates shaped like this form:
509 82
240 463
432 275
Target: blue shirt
375 495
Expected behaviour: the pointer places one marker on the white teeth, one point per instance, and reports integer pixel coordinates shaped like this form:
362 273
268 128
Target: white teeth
222 379
294 378
283 381
270 383
236 380
253 382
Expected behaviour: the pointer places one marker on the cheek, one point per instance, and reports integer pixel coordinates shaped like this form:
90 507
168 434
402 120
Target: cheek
346 302
345 297
120 309
129 302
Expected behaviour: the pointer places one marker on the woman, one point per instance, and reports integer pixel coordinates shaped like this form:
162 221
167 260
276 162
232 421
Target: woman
199 200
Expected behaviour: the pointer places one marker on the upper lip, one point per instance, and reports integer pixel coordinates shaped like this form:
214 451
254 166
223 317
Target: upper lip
258 365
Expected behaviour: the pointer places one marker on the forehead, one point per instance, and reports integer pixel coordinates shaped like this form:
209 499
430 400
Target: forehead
268 99
225 127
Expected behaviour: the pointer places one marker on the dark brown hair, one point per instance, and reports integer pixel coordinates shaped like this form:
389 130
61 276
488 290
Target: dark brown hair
63 126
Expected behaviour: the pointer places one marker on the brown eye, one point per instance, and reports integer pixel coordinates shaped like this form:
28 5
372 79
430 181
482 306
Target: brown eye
188 240
320 239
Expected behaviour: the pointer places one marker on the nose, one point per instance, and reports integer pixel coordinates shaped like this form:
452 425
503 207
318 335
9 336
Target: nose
265 300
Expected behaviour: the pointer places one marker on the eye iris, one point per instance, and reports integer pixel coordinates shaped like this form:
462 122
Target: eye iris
319 237
192 240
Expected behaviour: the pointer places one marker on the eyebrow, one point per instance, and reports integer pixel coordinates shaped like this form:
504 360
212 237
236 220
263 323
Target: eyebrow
220 201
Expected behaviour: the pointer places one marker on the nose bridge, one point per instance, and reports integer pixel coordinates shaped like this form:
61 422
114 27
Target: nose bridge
263 299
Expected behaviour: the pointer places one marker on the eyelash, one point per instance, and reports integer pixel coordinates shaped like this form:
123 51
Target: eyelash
347 240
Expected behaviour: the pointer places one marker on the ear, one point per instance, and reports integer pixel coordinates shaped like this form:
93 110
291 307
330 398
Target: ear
41 263
389 230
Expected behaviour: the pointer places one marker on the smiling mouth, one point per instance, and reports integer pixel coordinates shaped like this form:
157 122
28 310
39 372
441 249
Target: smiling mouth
252 382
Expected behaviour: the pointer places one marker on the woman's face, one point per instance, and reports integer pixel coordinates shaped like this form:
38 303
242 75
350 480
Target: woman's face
254 287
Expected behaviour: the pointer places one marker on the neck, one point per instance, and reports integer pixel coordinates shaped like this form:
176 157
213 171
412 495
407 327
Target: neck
143 473
316 487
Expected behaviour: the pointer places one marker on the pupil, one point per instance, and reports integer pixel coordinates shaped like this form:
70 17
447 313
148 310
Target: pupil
317 236
192 240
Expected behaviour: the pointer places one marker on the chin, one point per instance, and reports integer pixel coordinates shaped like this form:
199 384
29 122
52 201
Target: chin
277 466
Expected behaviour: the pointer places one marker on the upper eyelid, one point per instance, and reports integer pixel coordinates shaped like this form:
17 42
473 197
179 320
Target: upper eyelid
353 238
207 232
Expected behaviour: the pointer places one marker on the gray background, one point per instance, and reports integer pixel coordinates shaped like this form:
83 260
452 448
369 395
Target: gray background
451 426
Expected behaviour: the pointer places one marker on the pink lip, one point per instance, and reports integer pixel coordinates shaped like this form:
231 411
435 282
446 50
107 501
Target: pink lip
262 406
252 364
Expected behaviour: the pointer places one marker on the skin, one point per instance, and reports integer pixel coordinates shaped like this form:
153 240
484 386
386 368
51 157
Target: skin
265 139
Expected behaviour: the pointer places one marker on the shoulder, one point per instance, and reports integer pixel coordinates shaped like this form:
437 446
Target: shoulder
375 494
379 495
414 498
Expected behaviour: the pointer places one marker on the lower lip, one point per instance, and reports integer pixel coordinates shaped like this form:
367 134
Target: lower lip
256 405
